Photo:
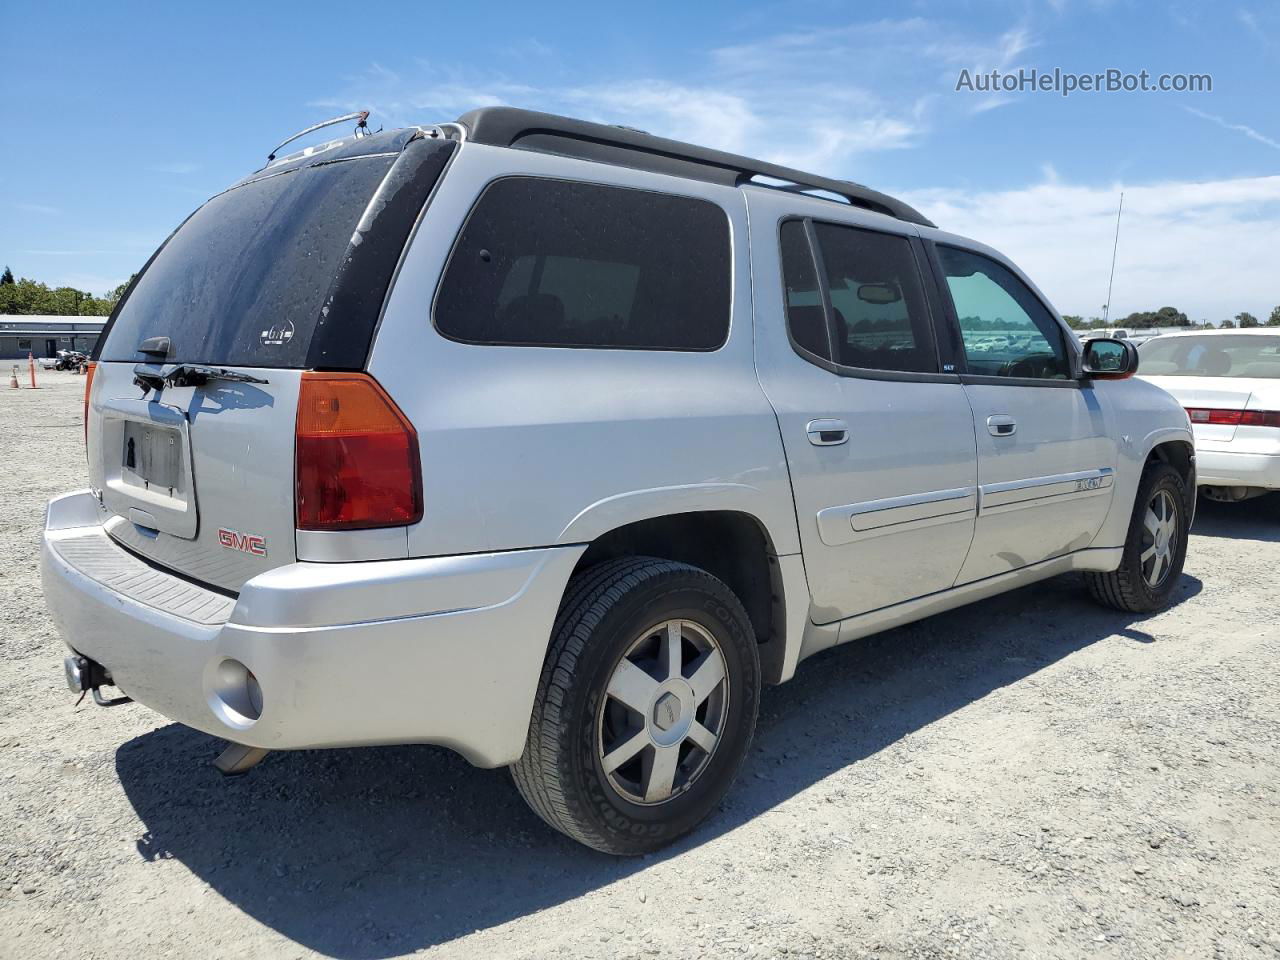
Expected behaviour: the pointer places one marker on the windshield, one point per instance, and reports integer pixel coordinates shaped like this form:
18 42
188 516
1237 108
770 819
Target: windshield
1210 355
243 281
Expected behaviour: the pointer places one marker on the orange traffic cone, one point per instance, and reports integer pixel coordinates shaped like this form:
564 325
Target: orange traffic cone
13 377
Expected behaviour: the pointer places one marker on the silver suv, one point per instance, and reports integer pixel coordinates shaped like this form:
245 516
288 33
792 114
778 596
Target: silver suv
551 442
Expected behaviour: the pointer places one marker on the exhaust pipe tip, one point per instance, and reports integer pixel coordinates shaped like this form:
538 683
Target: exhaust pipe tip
238 759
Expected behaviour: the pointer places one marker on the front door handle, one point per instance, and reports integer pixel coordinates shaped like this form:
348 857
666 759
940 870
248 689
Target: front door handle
1001 425
826 433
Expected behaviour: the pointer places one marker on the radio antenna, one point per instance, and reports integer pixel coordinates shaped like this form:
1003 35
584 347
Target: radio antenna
1106 307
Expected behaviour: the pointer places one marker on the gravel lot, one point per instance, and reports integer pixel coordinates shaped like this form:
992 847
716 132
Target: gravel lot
1031 776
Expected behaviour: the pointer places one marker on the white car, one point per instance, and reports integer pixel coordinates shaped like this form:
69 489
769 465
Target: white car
551 442
1229 383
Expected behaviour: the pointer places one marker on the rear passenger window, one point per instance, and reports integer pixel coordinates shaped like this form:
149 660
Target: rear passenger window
562 264
878 318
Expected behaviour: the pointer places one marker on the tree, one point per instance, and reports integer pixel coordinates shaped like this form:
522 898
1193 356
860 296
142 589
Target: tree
1078 323
1274 319
118 292
7 277
1164 317
27 297
1226 325
1246 320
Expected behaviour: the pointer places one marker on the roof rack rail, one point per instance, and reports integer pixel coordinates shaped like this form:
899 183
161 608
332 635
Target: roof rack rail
627 147
361 117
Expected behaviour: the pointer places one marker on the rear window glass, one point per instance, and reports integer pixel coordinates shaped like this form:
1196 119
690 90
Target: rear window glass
243 281
561 264
1245 355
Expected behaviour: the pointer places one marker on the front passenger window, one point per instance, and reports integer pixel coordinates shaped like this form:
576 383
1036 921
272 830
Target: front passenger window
1007 331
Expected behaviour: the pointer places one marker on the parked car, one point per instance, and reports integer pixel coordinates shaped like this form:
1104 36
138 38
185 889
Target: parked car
1229 381
551 442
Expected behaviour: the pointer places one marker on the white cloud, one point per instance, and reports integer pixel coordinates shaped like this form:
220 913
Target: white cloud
1250 21
1249 132
708 115
1206 248
807 98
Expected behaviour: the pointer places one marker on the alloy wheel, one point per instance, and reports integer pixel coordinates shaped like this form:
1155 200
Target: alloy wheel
663 713
1159 538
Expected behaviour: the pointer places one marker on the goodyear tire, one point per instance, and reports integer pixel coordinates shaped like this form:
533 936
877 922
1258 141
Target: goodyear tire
645 708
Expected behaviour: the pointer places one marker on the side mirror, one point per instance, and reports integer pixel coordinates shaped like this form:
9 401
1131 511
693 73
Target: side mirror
1106 358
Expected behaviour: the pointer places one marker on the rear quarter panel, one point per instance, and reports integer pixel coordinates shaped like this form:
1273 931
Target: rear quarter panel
534 446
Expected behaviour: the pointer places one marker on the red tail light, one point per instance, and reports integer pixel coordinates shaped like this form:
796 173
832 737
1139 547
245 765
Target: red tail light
356 460
1235 418
88 386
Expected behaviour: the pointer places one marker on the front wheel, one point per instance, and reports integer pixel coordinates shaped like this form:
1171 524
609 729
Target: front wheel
646 705
1155 548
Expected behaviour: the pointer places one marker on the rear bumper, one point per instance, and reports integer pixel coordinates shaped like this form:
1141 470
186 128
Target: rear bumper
444 650
1220 468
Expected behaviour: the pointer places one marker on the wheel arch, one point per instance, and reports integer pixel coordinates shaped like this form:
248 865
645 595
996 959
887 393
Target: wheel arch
1165 443
1179 453
732 545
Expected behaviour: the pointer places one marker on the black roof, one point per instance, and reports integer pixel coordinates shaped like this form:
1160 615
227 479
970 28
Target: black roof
625 147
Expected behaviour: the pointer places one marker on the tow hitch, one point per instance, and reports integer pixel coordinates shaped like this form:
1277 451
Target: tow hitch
88 676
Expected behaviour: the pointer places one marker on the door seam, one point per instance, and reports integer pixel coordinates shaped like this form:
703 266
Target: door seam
977 506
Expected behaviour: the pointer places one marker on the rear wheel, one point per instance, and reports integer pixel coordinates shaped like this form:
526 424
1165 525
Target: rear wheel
646 706
1154 549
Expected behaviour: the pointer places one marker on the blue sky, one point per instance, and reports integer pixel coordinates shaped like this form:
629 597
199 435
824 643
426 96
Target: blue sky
124 117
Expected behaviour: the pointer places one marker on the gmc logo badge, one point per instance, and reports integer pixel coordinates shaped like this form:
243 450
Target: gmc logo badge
244 542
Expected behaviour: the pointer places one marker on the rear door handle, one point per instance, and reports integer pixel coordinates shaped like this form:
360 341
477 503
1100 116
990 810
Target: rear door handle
1001 425
826 433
